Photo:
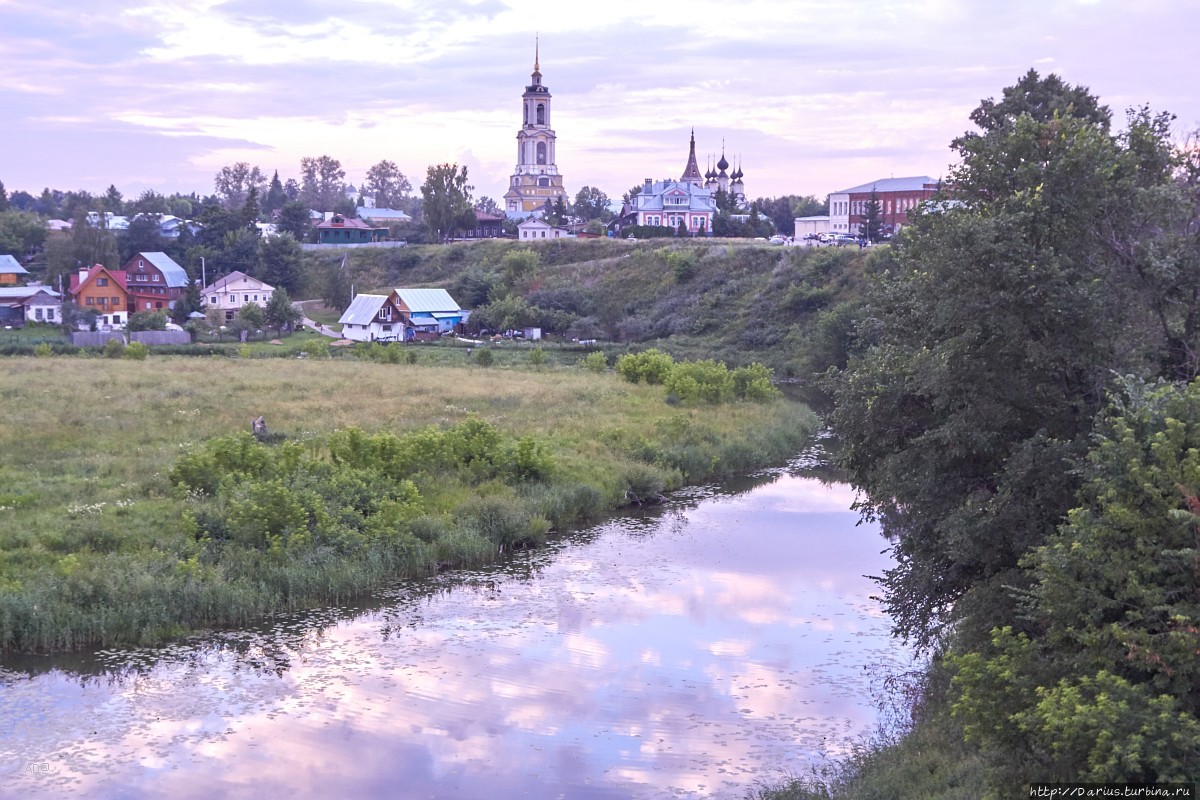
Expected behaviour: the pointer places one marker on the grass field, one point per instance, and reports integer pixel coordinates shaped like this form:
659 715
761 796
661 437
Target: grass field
102 542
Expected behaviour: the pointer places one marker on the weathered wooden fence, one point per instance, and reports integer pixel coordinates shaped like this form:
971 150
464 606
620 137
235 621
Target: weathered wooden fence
161 337
95 338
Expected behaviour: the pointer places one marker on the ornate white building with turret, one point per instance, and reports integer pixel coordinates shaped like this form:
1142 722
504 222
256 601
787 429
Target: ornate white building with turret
536 179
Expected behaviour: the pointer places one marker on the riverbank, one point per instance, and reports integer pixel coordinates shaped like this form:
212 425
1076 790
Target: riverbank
137 507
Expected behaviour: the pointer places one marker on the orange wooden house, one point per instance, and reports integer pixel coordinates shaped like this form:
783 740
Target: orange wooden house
102 290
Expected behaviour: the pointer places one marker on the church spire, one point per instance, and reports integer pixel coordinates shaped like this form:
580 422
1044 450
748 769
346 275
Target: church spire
537 70
691 173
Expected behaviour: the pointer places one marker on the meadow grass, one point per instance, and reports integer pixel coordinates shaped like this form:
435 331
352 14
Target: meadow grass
99 545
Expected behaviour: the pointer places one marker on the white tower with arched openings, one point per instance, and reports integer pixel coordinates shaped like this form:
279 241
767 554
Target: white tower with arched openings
536 179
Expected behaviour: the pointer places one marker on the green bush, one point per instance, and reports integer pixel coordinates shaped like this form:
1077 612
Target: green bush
537 356
272 516
504 521
754 383
318 349
643 483
147 321
530 460
484 358
137 351
650 366
43 350
705 381
596 362
114 348
682 266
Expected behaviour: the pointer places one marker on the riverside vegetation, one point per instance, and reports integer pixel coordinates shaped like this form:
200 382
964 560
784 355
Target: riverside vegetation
136 504
1021 410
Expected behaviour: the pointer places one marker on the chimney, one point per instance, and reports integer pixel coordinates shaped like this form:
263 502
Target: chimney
83 273
649 184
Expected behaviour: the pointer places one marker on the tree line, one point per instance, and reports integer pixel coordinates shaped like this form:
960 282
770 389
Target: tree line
1019 408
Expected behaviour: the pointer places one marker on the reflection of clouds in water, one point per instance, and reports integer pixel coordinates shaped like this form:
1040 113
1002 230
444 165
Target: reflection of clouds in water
805 496
698 659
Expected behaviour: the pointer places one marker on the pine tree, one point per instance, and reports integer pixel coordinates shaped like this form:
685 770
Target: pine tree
871 227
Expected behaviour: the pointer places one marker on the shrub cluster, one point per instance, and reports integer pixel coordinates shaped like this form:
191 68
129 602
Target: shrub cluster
693 382
359 493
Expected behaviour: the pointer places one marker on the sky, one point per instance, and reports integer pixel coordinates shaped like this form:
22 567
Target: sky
808 97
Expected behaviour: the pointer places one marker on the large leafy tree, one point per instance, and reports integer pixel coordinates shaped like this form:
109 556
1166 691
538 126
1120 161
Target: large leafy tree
234 181
1107 687
447 200
142 236
279 312
279 262
783 210
294 219
322 184
21 232
591 203
990 344
486 205
387 185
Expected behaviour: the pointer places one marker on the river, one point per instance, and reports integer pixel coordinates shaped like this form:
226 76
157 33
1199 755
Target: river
694 650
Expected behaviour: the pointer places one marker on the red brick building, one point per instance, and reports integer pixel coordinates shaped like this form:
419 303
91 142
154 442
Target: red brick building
897 196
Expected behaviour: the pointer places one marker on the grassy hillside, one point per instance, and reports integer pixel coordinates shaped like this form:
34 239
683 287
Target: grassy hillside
135 504
726 299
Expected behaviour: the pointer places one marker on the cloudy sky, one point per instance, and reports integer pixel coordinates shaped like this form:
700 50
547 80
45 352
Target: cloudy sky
811 97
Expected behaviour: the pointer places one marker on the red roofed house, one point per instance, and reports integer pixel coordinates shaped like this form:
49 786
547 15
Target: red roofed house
102 290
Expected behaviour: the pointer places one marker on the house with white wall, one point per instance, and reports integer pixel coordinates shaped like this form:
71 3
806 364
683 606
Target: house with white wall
373 318
540 230
227 296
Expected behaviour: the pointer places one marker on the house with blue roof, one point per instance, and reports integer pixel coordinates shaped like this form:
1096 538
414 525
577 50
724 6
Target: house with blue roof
154 282
11 270
429 311
403 315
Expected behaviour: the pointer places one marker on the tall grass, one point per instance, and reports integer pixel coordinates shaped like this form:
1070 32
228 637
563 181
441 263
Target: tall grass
98 545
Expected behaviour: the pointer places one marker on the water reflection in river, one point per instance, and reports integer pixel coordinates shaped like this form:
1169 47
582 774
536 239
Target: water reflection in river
692 651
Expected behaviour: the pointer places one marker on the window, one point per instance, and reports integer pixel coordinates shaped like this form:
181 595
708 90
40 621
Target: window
90 301
49 313
245 298
147 305
38 314
155 277
102 281
116 301
214 299
141 264
541 114
541 152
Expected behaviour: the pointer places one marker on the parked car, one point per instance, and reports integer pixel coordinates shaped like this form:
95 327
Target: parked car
777 239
